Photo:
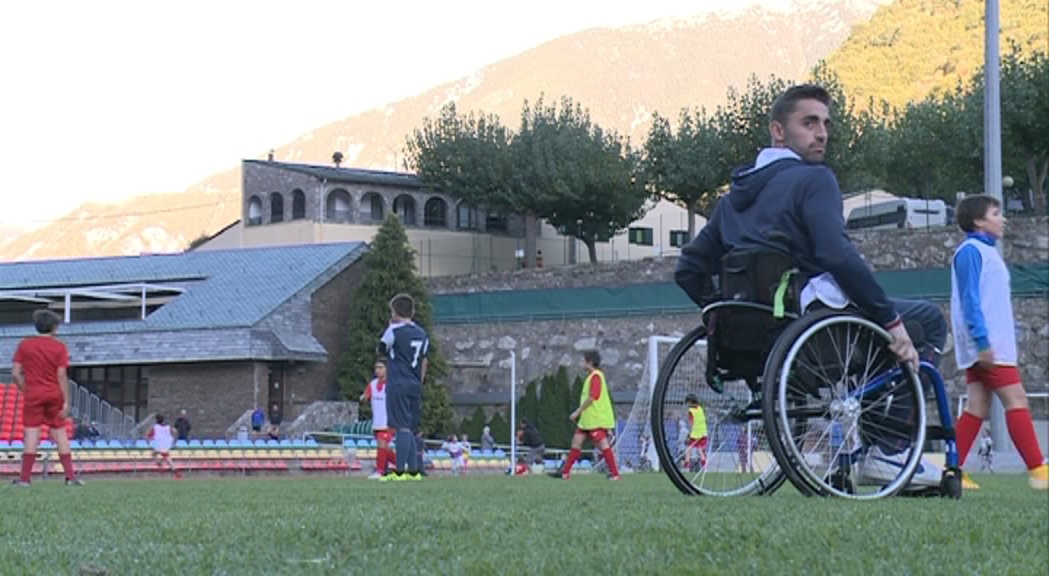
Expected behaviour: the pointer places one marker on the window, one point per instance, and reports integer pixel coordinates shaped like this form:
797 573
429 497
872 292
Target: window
435 213
373 209
642 236
495 222
678 238
404 208
298 204
276 207
466 216
254 211
337 208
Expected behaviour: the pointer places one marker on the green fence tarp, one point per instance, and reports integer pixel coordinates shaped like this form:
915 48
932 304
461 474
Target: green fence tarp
1028 280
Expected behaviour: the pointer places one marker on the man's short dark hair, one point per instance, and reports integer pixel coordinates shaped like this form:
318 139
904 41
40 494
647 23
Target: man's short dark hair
403 305
787 101
593 357
160 418
972 208
46 321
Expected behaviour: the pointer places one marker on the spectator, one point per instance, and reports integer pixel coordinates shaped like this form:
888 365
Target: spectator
487 442
92 430
182 426
258 418
82 431
528 435
275 420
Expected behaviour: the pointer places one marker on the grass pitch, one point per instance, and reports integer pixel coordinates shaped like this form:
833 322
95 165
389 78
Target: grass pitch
493 525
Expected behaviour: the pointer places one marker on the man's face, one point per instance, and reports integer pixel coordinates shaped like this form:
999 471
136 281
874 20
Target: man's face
805 131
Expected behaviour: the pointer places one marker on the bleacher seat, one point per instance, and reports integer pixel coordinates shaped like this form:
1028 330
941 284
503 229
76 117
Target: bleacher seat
181 444
194 443
209 443
221 443
260 443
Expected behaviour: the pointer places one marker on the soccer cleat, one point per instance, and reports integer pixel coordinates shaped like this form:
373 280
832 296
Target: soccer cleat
877 467
1038 477
413 477
74 482
392 477
615 478
20 484
375 476
558 475
968 483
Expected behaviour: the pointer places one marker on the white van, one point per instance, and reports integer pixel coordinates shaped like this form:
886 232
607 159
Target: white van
901 213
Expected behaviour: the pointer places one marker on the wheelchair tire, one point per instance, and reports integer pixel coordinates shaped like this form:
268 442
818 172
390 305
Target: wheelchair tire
667 406
838 427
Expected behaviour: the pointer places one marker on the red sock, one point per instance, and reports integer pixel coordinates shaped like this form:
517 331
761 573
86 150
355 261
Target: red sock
965 434
610 459
573 455
391 456
1021 430
27 466
380 461
67 465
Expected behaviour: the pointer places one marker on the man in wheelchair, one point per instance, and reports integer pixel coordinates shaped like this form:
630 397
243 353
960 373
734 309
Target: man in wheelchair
788 203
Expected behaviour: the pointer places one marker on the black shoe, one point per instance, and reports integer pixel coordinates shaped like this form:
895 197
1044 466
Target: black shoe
556 474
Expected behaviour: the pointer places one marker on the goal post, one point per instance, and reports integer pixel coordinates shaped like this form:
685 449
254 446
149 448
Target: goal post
634 448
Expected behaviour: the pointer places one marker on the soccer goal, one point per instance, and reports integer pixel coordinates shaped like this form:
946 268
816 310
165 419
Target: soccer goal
634 449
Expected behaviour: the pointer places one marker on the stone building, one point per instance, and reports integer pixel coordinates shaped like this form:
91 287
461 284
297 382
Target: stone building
213 332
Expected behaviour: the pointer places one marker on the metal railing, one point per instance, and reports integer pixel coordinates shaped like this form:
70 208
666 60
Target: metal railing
112 423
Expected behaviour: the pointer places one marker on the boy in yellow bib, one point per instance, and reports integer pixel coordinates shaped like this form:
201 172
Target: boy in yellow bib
594 418
697 434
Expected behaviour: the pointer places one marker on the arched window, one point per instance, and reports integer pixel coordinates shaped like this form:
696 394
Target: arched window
276 207
298 204
254 211
435 213
466 216
404 208
373 209
495 222
337 207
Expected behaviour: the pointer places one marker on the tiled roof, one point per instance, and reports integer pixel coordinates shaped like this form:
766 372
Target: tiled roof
227 292
349 175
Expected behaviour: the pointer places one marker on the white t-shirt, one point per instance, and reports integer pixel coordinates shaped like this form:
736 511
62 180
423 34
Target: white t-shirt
454 449
163 439
377 394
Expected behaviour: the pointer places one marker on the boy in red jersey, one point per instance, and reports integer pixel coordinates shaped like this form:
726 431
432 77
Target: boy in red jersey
39 369
594 418
375 392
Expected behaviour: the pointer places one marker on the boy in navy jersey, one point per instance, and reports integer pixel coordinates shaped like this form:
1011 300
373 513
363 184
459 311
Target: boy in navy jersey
406 345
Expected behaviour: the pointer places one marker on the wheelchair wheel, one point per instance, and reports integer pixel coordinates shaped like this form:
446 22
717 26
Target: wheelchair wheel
843 417
737 460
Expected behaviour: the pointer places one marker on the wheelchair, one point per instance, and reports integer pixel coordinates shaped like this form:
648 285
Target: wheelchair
815 398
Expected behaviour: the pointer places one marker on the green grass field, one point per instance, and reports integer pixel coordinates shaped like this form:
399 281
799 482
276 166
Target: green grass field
489 525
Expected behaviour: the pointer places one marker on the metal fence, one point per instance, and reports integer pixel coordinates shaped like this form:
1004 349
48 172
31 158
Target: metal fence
112 423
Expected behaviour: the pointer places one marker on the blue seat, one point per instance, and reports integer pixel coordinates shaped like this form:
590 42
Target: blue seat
347 443
486 452
194 443
221 444
500 454
311 442
285 442
372 443
45 444
17 444
141 444
181 444
114 444
362 443
298 442
209 443
72 444
260 443
272 442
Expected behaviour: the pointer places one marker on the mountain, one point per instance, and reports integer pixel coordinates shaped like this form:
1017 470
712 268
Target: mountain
912 47
622 75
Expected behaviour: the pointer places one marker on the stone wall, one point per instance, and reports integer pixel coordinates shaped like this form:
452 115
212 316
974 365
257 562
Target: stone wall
480 354
1026 240
212 393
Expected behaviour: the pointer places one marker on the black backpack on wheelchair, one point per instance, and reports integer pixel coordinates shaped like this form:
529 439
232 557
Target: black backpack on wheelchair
759 296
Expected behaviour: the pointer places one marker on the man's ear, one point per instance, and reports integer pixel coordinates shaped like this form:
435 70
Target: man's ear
778 133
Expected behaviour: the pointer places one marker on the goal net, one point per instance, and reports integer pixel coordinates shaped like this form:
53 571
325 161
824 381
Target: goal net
634 449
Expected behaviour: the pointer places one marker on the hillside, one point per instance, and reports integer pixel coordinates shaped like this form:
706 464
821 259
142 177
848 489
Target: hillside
622 75
912 47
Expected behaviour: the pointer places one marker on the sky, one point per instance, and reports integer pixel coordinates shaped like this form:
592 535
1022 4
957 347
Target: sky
107 99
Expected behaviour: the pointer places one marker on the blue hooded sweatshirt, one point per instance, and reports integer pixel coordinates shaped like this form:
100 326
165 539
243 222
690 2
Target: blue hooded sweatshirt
780 192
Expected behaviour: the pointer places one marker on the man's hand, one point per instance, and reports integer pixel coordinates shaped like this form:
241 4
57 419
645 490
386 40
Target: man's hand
65 411
986 359
574 415
902 346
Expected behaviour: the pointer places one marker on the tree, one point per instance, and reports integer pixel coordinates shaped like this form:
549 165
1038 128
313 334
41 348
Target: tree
588 182
437 413
743 121
528 404
685 167
337 158
1025 118
469 156
474 425
500 428
389 270
554 408
198 242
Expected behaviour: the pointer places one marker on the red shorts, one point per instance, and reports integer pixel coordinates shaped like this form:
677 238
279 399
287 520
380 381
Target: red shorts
163 455
700 443
992 378
596 435
43 412
385 435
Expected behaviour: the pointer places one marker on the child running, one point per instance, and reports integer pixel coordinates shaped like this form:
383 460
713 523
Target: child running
163 439
594 418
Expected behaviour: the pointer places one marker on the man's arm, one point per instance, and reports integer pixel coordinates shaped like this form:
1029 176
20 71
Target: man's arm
422 372
19 376
821 212
698 262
